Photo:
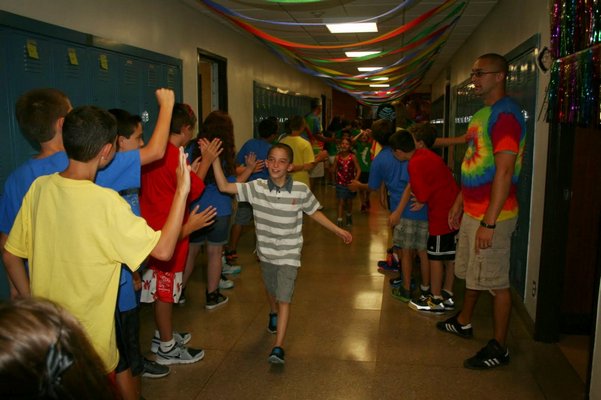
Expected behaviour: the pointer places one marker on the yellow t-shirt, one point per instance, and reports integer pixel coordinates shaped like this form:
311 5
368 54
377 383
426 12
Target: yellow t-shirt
303 154
76 235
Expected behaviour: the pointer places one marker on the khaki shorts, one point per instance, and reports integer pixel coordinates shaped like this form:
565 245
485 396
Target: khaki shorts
318 170
488 270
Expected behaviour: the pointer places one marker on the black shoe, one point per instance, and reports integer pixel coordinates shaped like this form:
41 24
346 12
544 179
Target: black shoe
276 356
490 356
215 299
272 327
451 325
154 370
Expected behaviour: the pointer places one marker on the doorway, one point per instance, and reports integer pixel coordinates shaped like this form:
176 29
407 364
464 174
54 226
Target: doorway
212 83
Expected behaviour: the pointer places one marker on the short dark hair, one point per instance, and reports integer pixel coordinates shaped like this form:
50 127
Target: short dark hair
182 115
424 132
381 131
126 122
268 127
284 147
38 110
296 122
86 130
497 59
402 140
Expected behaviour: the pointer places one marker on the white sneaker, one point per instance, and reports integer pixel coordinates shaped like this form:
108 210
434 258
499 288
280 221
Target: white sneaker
229 269
225 283
180 337
179 354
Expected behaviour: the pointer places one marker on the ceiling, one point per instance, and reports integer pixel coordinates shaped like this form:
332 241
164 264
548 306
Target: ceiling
435 30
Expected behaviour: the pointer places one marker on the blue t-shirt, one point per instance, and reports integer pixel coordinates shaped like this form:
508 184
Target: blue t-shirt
260 147
126 297
387 169
122 173
421 215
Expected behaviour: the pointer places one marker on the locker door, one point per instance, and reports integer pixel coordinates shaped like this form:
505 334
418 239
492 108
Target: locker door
154 76
129 93
103 78
72 70
29 61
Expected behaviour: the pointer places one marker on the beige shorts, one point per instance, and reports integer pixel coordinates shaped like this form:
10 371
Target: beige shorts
489 269
317 171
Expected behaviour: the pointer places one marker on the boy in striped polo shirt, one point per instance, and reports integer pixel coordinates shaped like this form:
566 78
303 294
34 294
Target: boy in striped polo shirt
278 206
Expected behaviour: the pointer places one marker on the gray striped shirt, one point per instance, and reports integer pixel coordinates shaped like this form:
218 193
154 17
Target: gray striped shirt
278 217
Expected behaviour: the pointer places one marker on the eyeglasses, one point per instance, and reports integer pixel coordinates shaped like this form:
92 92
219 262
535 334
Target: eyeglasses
480 74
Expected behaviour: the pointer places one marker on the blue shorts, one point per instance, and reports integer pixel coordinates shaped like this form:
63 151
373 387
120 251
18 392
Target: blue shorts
215 234
343 193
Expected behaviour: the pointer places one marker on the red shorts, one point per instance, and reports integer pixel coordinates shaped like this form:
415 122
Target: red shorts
161 286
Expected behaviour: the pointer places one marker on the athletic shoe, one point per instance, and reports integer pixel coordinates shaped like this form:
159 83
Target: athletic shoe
215 299
490 356
401 294
229 269
451 325
272 327
154 370
179 337
225 283
179 354
339 222
384 266
277 355
449 303
396 282
429 304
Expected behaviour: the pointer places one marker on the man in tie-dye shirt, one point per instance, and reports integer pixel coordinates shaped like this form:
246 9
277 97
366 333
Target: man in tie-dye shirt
489 206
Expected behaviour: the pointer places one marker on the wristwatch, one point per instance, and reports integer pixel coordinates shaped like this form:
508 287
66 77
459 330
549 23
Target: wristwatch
485 225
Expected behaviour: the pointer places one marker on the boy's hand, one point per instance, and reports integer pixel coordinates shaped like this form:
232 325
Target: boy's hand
259 166
210 150
183 173
416 205
195 165
394 218
346 236
165 97
455 214
200 220
250 160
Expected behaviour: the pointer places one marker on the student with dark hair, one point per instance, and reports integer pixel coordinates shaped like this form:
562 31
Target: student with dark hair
45 354
268 130
77 234
278 206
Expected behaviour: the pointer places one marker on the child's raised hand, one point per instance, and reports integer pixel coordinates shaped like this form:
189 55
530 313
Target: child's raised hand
198 220
250 160
210 150
259 166
183 172
165 97
346 236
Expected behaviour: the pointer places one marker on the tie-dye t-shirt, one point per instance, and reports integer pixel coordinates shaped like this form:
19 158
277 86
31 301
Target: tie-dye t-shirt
493 129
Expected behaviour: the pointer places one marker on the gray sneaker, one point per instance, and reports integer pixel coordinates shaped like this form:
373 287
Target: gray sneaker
154 370
180 337
215 299
179 354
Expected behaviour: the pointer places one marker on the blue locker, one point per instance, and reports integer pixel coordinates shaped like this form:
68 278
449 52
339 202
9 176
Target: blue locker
72 71
104 67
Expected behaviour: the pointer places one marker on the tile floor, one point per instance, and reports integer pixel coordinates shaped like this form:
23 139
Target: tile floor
347 337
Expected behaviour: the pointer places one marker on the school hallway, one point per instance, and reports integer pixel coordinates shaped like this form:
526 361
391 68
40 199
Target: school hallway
348 338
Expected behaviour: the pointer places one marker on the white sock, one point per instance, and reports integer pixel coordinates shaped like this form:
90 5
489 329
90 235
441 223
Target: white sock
424 288
166 346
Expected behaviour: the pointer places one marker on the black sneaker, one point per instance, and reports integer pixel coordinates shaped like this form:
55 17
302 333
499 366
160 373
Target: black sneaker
451 325
215 299
154 370
396 282
490 356
276 356
272 327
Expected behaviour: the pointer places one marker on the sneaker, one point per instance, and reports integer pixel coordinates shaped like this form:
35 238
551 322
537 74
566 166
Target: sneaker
402 294
385 266
215 300
272 327
277 355
180 337
179 354
451 325
349 220
449 303
231 256
396 282
490 356
429 304
229 269
154 370
225 283
339 222
182 298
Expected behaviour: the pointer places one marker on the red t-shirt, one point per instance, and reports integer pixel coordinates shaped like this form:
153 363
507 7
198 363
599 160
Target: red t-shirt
159 182
432 183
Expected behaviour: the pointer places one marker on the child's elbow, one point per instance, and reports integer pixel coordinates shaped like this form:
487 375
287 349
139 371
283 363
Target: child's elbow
162 253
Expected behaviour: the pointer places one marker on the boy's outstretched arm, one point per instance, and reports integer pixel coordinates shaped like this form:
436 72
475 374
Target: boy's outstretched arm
171 230
155 149
329 225
222 183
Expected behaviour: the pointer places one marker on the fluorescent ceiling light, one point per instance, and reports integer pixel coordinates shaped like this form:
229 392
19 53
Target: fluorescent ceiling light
353 28
379 85
361 53
380 78
368 69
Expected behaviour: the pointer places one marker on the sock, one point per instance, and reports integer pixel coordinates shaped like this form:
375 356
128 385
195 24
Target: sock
424 288
167 346
437 297
156 333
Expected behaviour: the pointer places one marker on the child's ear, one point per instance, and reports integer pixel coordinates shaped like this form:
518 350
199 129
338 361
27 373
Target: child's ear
105 152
